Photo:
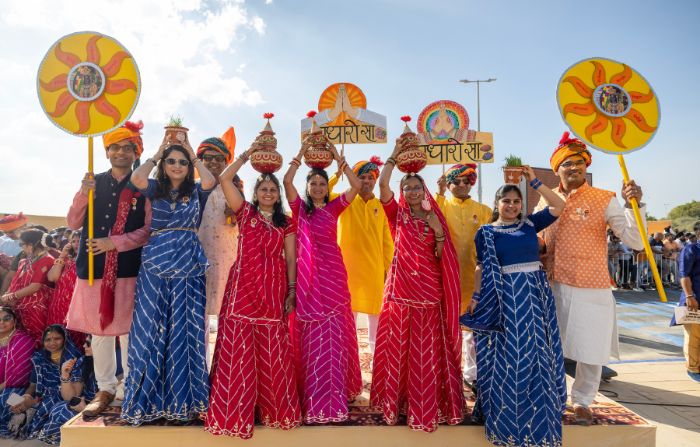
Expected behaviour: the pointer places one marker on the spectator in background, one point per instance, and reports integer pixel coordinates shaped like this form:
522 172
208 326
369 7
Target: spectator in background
670 259
614 252
29 291
689 267
11 226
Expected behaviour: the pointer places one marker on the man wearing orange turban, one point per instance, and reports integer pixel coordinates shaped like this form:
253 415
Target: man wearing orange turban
576 261
122 224
366 244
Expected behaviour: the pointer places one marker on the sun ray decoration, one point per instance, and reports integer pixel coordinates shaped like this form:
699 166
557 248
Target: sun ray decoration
88 84
608 105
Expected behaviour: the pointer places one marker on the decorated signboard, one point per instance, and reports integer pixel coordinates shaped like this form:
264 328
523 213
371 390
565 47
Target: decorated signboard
344 118
444 134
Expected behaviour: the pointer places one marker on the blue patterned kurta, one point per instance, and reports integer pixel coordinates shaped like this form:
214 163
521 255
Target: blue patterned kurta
47 377
60 413
521 381
168 375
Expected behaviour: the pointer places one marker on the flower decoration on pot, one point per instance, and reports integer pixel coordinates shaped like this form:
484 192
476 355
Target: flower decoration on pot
266 159
411 158
318 154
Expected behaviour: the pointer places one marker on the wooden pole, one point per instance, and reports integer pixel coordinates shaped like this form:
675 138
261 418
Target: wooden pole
642 233
91 220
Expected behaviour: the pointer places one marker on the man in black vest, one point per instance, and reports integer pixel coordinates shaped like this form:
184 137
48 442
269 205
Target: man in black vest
122 220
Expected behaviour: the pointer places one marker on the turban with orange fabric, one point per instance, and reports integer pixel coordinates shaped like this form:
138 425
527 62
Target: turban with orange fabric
129 131
567 148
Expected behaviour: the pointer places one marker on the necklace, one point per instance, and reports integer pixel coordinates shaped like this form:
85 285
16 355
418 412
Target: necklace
173 199
503 223
266 214
56 356
6 339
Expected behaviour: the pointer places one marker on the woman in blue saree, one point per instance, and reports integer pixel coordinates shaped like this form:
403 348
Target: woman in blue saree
78 386
521 383
168 375
48 387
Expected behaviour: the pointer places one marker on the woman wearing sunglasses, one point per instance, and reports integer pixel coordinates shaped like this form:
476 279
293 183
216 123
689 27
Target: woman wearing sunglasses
167 369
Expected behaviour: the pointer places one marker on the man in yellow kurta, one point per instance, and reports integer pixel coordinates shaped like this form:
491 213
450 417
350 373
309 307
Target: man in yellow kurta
464 216
365 241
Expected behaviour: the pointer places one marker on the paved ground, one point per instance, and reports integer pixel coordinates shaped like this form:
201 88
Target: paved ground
643 324
652 379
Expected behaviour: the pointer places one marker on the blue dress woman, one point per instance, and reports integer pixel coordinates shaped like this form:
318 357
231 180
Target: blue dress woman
168 376
521 383
46 382
78 386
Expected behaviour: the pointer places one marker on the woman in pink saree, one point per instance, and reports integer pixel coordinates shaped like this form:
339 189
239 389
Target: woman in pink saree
325 337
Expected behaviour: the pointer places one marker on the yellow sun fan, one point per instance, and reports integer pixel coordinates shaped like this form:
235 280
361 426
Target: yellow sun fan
88 84
608 105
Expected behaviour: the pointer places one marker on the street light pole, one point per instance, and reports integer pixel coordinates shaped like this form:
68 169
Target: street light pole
478 123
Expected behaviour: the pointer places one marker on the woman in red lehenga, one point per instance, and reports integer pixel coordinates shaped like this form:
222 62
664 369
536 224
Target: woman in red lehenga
29 290
253 367
64 275
418 354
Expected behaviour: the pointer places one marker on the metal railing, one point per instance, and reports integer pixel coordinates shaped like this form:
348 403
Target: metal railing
632 270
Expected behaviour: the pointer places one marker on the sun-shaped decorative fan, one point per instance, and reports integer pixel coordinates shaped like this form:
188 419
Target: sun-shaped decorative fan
88 84
609 105
613 109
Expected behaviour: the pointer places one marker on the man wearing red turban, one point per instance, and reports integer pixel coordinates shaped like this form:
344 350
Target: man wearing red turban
576 261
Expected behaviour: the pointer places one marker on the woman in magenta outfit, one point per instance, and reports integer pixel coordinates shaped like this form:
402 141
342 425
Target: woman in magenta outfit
325 335
16 349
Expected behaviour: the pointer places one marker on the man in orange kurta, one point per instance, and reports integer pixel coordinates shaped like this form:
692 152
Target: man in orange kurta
576 261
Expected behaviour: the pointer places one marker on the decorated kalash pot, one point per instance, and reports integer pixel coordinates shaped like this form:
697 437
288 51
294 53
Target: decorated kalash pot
318 154
411 158
266 159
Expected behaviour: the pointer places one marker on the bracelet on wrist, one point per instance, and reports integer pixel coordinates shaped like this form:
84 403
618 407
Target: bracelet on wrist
65 380
535 183
391 160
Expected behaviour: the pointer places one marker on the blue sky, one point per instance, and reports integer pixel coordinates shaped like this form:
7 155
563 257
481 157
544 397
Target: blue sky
218 63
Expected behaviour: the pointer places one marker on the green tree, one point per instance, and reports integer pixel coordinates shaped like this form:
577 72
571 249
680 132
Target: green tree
690 209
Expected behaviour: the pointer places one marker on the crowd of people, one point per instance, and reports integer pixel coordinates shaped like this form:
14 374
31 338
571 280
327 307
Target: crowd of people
455 292
630 269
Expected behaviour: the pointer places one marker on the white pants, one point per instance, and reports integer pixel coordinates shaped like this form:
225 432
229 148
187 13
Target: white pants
105 360
372 322
586 383
209 337
469 356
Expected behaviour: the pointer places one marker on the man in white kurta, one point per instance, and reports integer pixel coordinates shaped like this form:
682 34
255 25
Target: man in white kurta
218 231
576 261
